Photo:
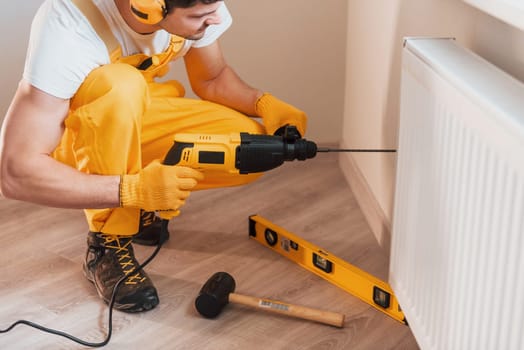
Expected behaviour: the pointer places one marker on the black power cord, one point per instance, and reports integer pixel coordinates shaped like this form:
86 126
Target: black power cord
163 238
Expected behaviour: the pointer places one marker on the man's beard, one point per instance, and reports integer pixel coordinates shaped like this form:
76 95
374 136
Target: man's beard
197 36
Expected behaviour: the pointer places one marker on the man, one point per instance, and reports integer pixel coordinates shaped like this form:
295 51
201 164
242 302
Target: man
89 124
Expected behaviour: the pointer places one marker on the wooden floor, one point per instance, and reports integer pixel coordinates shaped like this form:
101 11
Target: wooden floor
41 278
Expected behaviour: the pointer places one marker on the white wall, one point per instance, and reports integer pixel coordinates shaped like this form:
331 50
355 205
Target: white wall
15 19
296 50
374 43
290 48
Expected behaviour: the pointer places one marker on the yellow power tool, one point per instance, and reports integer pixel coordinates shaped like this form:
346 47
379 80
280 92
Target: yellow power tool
244 153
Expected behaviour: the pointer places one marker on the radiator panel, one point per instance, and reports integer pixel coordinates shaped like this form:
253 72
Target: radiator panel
456 262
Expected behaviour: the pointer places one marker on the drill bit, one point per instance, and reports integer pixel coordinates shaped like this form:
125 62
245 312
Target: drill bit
326 149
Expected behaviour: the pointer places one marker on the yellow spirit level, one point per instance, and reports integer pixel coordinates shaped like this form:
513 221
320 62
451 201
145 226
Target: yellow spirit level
355 281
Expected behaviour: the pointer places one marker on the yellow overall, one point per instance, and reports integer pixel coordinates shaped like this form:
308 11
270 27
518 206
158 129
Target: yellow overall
121 119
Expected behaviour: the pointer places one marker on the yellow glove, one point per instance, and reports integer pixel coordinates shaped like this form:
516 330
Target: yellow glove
276 114
158 187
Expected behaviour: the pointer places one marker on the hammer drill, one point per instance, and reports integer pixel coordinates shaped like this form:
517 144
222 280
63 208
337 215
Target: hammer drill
244 153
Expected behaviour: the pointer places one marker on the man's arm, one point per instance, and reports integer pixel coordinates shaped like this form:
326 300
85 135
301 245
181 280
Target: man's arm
31 131
214 80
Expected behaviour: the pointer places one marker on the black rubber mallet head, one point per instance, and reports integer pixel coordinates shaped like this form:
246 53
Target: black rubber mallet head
214 295
219 289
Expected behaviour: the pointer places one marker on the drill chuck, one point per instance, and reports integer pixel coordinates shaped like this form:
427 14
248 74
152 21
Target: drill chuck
258 153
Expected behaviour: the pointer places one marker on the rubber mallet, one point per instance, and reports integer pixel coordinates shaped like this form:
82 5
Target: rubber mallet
219 289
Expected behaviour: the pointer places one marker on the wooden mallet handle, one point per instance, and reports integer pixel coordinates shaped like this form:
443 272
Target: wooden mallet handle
326 317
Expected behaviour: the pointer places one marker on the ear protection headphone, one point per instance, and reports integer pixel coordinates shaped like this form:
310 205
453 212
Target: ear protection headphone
149 11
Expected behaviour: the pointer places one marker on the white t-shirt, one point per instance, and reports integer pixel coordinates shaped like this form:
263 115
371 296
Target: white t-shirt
64 48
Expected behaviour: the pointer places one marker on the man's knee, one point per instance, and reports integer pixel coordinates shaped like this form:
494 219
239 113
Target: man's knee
253 127
119 84
234 121
110 104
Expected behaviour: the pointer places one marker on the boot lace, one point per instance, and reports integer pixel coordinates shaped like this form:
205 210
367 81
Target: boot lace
126 258
147 218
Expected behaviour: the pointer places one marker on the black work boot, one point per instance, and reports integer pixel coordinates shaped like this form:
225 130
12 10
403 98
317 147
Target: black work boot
108 259
150 229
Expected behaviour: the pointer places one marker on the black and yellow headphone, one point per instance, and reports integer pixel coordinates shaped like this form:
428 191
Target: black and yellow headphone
149 11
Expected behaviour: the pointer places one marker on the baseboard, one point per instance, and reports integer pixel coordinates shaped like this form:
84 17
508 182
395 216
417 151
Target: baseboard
377 220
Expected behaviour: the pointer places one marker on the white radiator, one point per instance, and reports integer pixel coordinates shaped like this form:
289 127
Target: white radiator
457 255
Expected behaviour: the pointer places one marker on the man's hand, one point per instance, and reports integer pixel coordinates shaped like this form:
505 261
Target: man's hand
158 187
276 114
